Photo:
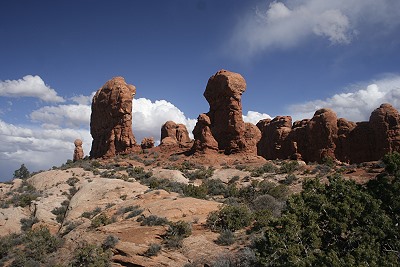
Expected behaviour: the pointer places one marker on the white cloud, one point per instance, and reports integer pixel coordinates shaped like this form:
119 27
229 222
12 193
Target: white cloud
288 23
52 143
83 99
29 86
74 116
36 147
254 116
357 104
148 117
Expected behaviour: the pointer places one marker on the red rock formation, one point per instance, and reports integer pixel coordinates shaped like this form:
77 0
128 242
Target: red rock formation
111 119
226 129
385 123
343 150
321 135
203 139
275 138
147 142
176 134
78 151
326 136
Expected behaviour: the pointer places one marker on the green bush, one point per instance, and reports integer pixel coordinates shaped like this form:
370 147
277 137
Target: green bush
91 256
176 232
26 223
72 181
226 238
195 191
229 217
100 220
335 224
153 220
22 172
110 242
392 163
289 167
153 250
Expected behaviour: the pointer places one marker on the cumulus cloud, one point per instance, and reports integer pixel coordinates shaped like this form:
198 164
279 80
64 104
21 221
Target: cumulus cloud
358 103
29 86
254 116
36 147
148 117
285 24
63 115
52 143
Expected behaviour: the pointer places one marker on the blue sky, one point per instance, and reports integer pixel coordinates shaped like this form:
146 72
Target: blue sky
296 56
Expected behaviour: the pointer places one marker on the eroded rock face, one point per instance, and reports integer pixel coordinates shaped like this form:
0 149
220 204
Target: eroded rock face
321 132
385 123
175 134
223 128
326 136
274 143
147 142
203 137
111 119
78 151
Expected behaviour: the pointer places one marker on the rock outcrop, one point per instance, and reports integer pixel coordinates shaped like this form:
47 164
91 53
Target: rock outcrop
326 136
111 119
78 151
223 128
147 142
175 134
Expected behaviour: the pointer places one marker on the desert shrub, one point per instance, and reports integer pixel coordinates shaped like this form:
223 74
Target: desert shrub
69 226
153 220
225 238
266 168
334 224
26 223
392 163
214 187
195 191
139 173
289 167
234 179
229 217
110 242
179 228
24 195
176 232
132 211
60 212
100 220
72 181
92 256
290 179
202 173
153 250
91 214
22 172
268 202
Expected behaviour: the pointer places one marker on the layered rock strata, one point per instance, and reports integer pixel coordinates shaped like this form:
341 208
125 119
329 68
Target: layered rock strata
111 119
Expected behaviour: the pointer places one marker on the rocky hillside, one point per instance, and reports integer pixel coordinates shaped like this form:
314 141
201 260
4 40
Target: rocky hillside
151 209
